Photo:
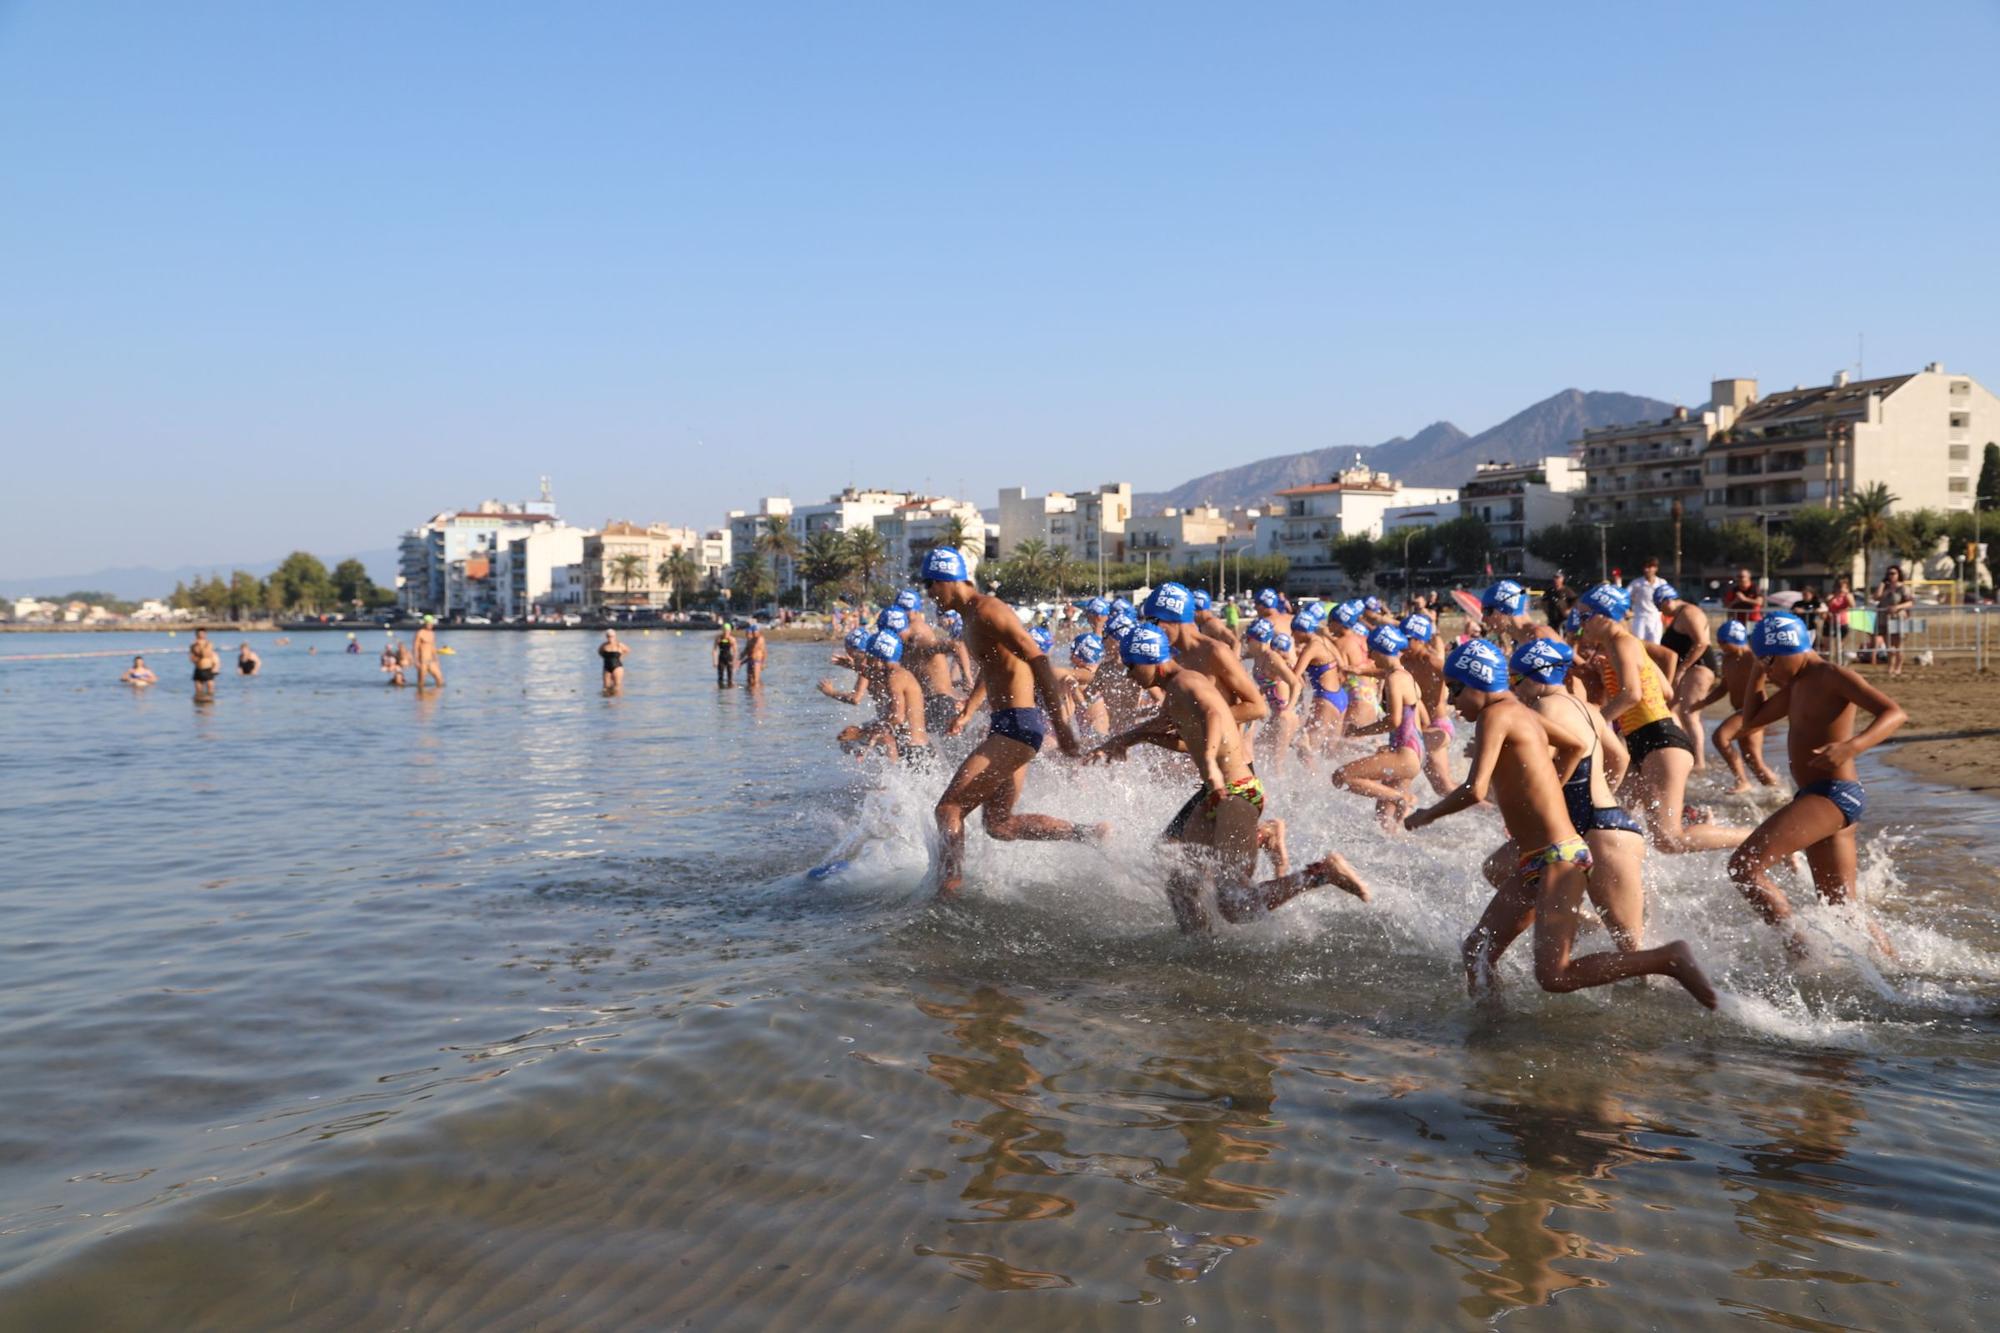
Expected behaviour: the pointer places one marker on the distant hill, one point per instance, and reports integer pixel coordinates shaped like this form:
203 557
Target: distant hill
137 582
1438 455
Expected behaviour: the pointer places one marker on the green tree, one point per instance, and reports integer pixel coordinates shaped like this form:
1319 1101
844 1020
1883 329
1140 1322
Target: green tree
1913 535
1817 535
1570 547
1065 571
627 569
351 583
869 557
1356 556
1463 543
679 572
1741 543
1865 517
246 594
305 582
957 532
1989 477
750 581
825 561
180 599
775 541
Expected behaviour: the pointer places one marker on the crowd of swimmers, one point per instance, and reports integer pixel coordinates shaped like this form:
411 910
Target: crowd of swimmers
1583 737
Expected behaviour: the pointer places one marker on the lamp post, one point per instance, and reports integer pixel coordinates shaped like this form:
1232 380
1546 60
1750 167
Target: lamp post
1765 516
1407 534
1603 552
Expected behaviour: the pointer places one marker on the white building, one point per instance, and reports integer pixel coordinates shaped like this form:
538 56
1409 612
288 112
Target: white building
569 589
745 527
1086 524
1922 435
716 551
1638 470
425 582
922 523
524 569
1517 500
1309 520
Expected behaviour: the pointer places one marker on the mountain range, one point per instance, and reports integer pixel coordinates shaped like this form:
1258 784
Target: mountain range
1438 455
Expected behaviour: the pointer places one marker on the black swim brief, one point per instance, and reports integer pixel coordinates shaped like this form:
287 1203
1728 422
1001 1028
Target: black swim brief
1665 734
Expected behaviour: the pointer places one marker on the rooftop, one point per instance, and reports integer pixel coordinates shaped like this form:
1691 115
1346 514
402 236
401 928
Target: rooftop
1825 400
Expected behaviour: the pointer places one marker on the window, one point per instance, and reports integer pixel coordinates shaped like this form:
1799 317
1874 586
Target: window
1960 420
1960 485
1961 453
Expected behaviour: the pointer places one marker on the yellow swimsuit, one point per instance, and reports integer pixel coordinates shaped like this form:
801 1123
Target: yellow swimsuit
1652 705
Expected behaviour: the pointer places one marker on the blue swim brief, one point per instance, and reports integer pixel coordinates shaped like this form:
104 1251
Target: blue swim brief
1850 797
1026 725
1338 698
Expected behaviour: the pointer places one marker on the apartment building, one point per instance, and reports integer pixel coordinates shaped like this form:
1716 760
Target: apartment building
427 555
744 527
1640 469
1176 537
524 569
1517 500
1088 524
1308 520
922 523
1920 434
621 565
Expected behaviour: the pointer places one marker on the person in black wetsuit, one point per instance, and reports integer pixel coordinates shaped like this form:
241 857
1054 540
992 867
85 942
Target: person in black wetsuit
612 654
724 655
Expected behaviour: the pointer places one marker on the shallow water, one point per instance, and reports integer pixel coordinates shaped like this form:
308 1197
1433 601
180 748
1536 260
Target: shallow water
330 1006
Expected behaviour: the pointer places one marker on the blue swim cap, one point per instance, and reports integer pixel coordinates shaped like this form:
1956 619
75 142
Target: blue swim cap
1665 593
856 641
1780 635
1309 620
1387 640
894 619
954 624
1420 627
1281 642
1095 606
909 599
1086 650
1043 639
1271 599
1146 645
1170 604
946 564
1606 600
886 645
1506 595
1119 626
1373 604
1348 614
1477 665
1545 660
1202 601
1119 604
1261 630
1573 622
1734 633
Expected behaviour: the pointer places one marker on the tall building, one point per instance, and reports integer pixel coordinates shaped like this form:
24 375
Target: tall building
922 523
1637 470
745 527
1517 500
1309 520
524 569
1087 524
1921 435
426 582
621 565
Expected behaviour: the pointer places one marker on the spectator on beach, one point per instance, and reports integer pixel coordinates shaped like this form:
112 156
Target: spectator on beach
1892 616
1646 620
1744 601
1557 601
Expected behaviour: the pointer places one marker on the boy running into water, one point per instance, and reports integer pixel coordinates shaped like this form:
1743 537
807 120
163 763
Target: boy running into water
1014 673
1819 698
1230 803
1510 758
899 704
1737 681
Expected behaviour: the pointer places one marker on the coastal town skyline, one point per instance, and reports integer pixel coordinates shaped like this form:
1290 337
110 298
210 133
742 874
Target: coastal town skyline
933 249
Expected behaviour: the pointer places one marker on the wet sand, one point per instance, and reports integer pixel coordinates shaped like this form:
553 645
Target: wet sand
1953 735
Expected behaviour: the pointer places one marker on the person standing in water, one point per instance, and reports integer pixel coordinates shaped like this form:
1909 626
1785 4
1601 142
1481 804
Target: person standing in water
611 655
425 644
1820 699
753 657
1014 674
1510 759
723 654
207 665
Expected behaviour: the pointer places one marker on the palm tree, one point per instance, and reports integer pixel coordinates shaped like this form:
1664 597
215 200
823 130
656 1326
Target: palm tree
775 540
866 553
1865 521
955 533
1063 570
825 560
628 568
680 571
752 580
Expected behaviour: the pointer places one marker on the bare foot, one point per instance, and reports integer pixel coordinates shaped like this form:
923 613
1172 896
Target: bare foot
1271 836
1742 786
1333 869
948 888
1682 967
1767 777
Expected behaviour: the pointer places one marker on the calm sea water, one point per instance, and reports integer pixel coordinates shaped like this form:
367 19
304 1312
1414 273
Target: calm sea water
511 1006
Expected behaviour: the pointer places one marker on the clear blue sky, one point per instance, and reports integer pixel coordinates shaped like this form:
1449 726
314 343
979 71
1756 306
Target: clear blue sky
280 275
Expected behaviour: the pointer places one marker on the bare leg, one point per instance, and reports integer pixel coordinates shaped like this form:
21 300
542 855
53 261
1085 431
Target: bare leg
1253 900
1695 682
1556 918
1663 795
1804 822
1437 760
998 765
1511 911
1617 886
1836 880
1384 777
1752 743
1726 735
1271 838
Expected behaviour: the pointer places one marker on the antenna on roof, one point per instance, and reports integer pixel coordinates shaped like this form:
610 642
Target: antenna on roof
548 493
1860 348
